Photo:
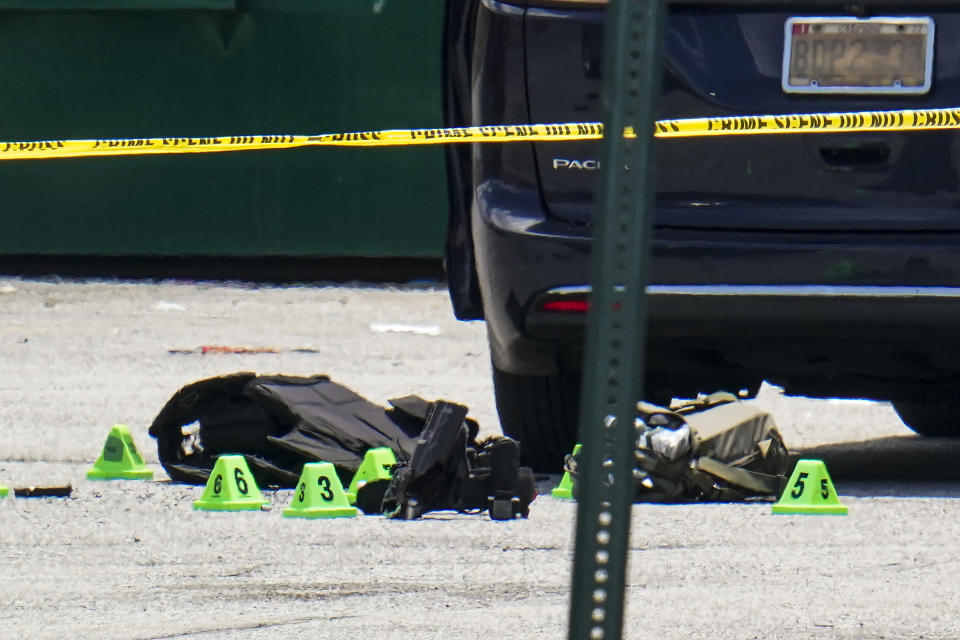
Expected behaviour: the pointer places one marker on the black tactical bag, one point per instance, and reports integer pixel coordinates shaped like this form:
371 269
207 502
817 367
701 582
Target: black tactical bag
279 423
715 448
449 470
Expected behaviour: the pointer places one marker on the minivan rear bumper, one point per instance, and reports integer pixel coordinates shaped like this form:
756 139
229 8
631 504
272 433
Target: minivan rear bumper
787 305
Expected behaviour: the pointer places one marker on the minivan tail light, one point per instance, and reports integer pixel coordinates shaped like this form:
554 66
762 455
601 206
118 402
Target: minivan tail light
566 306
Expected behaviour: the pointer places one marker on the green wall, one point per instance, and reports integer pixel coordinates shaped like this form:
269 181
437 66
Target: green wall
188 68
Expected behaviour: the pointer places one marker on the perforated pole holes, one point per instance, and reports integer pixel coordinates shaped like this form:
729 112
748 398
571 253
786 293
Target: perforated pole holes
615 338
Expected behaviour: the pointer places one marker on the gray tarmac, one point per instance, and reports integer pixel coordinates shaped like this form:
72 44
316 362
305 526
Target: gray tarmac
132 559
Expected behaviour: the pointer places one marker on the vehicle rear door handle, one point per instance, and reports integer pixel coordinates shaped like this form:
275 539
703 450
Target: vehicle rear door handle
855 155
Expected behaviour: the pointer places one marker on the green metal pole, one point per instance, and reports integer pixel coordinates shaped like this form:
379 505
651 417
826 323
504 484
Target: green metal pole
613 366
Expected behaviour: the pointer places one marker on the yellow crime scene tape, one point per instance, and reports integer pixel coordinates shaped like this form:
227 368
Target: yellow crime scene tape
902 120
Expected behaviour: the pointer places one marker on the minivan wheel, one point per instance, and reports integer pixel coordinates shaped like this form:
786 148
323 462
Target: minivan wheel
541 412
935 419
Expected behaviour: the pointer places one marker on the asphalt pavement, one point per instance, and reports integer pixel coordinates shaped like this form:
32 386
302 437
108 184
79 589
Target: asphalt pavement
133 560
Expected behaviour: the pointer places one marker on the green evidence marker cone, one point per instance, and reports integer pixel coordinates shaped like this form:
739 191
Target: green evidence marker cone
231 487
119 459
377 465
810 491
565 488
3 491
319 494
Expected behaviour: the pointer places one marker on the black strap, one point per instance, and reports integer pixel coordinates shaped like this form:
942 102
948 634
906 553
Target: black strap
757 483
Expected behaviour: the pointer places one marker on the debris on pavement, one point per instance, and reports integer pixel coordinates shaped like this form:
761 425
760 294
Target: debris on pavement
423 330
215 350
169 306
61 491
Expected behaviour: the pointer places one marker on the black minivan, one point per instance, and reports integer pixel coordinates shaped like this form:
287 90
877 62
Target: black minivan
828 264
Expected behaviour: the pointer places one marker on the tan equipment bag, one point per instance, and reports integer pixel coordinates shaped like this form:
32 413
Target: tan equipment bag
715 448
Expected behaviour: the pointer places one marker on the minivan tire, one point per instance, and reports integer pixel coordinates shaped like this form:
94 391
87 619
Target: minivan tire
542 413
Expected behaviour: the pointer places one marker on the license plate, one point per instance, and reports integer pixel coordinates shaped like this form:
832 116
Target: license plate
853 55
